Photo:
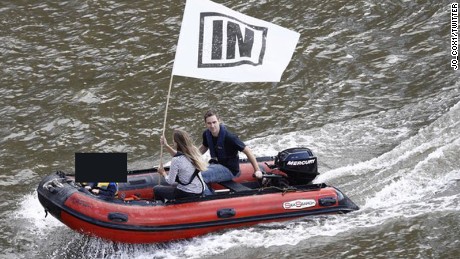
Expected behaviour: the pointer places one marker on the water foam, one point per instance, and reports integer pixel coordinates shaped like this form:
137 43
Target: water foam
31 211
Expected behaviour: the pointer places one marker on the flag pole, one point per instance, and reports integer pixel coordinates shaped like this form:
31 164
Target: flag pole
166 114
164 122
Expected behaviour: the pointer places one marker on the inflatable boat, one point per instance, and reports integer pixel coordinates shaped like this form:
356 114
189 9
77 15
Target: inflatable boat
285 192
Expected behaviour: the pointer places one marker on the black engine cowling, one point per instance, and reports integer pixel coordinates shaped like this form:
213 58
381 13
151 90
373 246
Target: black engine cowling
300 165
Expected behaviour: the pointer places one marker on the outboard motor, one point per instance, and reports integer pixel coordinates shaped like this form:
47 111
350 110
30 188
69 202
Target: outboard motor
299 164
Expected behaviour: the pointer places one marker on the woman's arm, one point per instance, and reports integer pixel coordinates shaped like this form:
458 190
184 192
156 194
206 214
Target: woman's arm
170 177
170 149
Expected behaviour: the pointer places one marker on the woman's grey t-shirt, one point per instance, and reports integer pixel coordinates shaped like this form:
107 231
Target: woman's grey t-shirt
180 165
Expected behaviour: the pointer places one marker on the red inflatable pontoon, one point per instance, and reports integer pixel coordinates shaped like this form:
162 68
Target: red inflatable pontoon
285 193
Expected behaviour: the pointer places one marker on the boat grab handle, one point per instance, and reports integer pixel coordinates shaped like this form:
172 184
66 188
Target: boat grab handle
118 217
226 213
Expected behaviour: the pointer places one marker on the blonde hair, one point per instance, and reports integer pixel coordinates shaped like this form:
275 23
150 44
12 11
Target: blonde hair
185 145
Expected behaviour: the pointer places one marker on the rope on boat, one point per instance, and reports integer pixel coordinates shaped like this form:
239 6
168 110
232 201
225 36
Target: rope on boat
282 190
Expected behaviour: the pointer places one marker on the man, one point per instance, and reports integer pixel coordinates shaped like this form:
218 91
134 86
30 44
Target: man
223 147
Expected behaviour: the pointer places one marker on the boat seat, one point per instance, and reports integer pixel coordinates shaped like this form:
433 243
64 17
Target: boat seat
234 186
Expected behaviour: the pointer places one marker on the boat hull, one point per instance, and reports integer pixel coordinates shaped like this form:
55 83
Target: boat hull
146 221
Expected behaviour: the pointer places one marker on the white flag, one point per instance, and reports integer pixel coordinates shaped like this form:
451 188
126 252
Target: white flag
218 43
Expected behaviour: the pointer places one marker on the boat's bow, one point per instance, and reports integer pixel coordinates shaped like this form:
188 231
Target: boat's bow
53 191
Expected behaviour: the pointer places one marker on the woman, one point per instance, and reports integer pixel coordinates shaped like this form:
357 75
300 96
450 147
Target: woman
185 169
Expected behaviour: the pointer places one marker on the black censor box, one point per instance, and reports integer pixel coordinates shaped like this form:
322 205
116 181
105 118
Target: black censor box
101 167
454 35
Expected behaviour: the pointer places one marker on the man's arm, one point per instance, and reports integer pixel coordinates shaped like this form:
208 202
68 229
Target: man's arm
247 151
203 149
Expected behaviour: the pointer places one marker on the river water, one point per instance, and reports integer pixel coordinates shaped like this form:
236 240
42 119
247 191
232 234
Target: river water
369 89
